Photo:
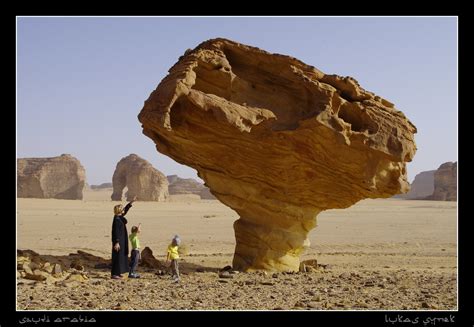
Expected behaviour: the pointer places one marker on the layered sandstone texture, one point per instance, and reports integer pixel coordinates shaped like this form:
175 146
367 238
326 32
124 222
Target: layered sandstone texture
445 182
178 185
141 179
60 177
278 141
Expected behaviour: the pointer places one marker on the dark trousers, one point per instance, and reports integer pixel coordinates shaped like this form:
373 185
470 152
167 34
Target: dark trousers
135 255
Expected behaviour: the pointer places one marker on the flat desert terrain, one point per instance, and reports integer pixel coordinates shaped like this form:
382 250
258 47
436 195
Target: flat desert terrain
384 254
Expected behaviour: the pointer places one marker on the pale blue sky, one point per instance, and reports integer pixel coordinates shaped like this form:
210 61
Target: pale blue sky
82 80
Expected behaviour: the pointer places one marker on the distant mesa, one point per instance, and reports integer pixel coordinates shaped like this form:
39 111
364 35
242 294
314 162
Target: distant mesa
101 186
445 183
141 179
180 185
60 177
278 141
439 185
421 187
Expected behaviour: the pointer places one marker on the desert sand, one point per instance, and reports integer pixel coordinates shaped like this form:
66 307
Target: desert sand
384 254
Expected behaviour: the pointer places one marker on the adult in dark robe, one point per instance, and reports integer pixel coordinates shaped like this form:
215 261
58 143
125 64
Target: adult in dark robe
120 241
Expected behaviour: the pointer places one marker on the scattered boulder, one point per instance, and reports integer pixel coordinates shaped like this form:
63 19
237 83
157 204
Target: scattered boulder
148 260
141 179
60 177
278 141
308 265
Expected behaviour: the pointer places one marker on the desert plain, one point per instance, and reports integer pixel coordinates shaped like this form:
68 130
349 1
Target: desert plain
384 254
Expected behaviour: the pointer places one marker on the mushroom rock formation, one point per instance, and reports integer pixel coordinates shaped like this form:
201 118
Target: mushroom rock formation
445 182
278 141
60 177
141 178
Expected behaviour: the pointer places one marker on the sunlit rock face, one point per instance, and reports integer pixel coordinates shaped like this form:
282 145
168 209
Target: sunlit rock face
61 177
141 179
278 141
445 182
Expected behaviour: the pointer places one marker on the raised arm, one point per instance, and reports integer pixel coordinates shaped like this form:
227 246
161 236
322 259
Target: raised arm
128 206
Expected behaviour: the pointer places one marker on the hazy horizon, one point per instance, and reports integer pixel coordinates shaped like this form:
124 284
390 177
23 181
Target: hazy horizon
82 81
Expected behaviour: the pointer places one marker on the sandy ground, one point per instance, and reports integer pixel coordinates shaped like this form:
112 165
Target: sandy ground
379 254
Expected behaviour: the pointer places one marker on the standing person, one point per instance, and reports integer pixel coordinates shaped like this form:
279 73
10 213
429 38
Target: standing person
174 256
135 254
120 240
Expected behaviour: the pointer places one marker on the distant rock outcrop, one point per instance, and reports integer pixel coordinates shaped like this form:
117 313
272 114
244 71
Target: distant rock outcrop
421 187
141 178
278 141
180 185
60 177
101 186
445 183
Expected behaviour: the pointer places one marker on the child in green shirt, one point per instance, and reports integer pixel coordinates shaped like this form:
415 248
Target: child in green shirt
135 254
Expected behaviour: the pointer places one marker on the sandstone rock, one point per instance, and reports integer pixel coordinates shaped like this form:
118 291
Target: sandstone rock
148 260
26 268
57 270
57 177
278 141
308 265
37 275
206 194
77 265
141 179
422 186
225 274
77 278
445 183
179 185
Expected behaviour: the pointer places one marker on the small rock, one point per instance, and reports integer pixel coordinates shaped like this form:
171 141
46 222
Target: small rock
35 277
225 274
314 305
223 281
275 275
57 270
27 269
267 283
226 268
77 277
425 305
77 265
317 298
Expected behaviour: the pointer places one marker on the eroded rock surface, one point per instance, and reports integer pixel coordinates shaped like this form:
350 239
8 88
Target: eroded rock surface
141 179
278 141
445 182
60 177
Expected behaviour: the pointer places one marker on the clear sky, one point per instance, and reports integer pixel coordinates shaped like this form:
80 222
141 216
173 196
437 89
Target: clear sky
81 81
